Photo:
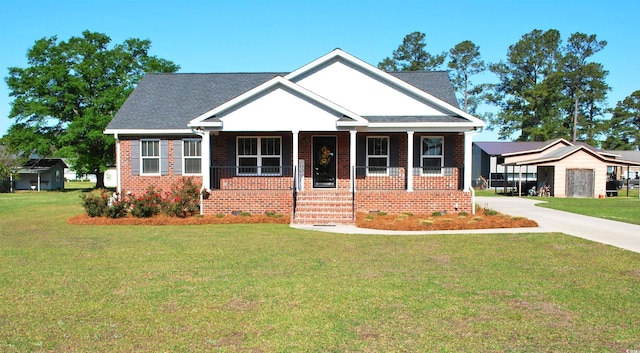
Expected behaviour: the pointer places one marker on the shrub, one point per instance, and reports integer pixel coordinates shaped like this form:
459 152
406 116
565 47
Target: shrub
463 213
183 200
118 209
96 203
425 222
147 205
490 212
436 214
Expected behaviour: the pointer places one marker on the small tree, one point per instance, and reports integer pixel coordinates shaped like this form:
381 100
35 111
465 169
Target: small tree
465 62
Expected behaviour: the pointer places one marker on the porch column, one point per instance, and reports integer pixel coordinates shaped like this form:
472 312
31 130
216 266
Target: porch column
118 167
206 159
468 158
352 159
296 159
410 161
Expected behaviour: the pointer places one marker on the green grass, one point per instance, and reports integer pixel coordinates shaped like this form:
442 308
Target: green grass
623 209
78 184
270 288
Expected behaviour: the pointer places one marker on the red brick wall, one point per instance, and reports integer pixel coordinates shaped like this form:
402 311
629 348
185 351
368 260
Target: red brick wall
252 201
138 184
417 202
443 193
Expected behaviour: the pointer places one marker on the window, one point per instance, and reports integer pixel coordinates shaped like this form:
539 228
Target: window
432 156
192 153
150 156
259 155
377 155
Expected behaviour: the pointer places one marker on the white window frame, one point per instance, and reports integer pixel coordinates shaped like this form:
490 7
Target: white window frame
423 156
143 157
185 156
379 156
259 156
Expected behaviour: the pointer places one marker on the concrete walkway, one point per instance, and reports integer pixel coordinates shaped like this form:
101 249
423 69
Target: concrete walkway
619 234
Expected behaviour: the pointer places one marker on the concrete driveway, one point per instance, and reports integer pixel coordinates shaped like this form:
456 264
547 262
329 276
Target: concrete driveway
619 234
622 235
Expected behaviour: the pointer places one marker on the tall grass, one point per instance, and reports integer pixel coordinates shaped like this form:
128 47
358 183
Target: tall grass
270 288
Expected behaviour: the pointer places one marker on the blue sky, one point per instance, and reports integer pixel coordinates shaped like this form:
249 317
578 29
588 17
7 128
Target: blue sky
277 36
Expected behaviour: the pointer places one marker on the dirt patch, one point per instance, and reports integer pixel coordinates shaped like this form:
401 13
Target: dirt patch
483 219
161 220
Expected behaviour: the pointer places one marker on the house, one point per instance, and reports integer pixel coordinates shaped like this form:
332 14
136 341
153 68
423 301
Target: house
570 169
335 137
41 174
109 176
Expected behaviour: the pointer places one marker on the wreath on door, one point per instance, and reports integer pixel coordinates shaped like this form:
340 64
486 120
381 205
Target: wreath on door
325 156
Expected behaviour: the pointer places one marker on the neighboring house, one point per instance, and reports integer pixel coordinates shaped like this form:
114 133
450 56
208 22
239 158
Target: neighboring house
570 169
335 137
110 176
41 174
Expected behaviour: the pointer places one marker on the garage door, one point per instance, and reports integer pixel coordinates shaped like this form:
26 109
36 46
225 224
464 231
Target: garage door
580 182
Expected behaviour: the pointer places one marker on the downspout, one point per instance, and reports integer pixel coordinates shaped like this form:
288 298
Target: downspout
118 167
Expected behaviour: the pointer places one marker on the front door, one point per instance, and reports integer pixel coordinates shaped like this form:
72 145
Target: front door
324 162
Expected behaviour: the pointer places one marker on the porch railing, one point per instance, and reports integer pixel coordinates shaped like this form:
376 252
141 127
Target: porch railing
395 178
252 178
367 178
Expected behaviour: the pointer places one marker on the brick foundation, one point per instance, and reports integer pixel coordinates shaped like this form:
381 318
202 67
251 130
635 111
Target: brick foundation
252 201
424 201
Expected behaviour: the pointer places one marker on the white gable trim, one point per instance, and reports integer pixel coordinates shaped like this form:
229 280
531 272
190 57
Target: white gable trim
540 149
276 81
338 53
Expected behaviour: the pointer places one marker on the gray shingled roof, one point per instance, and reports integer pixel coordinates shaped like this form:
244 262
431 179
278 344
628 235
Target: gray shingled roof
436 83
170 101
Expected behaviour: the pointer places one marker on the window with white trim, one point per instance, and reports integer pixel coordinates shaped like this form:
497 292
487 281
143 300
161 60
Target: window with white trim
259 155
192 156
432 155
150 157
377 155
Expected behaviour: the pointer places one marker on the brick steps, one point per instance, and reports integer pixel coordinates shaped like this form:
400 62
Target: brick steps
323 208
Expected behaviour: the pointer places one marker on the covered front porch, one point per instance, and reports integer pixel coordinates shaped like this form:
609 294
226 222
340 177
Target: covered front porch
330 176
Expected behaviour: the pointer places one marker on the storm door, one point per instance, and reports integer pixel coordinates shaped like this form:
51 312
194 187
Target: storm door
324 161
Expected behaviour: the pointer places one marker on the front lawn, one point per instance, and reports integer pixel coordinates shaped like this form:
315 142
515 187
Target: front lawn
623 209
271 288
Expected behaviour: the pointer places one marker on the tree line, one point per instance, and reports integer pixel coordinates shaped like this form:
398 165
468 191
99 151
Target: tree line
70 90
545 89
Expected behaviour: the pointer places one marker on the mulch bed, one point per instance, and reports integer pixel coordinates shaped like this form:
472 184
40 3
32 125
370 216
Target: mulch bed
162 220
449 221
403 221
